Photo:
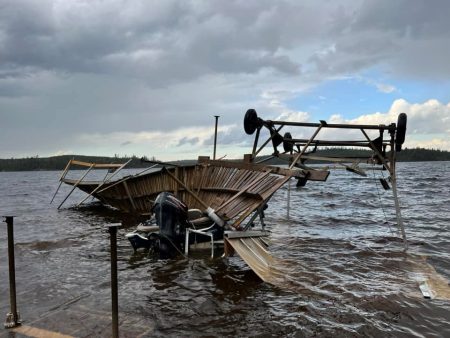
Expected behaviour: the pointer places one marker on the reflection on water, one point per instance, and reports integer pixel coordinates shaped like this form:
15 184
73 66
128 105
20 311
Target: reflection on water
341 271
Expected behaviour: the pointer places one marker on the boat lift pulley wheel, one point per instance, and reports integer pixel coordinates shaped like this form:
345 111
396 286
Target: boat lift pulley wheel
251 121
288 146
401 131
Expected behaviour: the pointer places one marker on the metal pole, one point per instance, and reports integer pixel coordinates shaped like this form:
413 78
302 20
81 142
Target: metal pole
331 125
288 199
112 229
398 212
215 136
255 143
306 146
392 170
12 318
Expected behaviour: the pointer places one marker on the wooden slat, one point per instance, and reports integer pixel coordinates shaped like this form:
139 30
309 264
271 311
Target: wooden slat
125 185
96 165
242 175
249 186
311 174
187 189
229 177
255 167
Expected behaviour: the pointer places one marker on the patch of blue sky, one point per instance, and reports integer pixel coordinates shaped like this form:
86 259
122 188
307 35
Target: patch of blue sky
355 96
411 90
419 92
348 97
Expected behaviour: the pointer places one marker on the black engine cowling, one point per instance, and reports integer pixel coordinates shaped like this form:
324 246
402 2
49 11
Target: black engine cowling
172 218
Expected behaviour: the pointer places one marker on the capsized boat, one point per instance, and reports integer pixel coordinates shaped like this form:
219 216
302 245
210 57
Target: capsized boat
230 190
232 194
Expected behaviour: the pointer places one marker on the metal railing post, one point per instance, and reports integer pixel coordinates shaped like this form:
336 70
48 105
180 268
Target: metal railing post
13 317
112 229
288 207
215 136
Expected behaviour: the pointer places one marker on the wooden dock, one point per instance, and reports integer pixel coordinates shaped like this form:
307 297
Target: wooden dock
78 321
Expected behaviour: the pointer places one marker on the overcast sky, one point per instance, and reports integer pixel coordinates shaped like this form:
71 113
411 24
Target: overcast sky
146 77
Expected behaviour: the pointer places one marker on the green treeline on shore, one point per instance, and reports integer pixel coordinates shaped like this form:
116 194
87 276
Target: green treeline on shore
59 162
406 155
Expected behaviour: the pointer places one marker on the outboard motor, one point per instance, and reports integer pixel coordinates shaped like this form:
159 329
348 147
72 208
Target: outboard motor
172 218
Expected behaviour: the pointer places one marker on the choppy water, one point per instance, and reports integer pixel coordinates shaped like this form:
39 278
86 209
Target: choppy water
347 274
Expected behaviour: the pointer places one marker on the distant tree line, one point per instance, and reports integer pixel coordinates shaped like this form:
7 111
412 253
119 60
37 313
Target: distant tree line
406 155
59 162
422 154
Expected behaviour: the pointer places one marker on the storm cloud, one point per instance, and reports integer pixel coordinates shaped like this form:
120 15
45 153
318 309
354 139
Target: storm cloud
102 77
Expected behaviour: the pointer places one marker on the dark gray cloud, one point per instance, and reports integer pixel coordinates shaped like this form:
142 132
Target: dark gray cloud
164 42
169 41
192 140
71 68
410 39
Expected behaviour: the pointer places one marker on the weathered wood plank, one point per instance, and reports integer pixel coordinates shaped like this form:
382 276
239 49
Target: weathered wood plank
313 175
96 165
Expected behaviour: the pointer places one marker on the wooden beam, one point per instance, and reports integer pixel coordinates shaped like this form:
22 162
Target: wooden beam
96 165
311 174
254 167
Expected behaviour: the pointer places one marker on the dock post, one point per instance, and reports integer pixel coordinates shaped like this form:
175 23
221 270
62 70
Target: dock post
288 209
215 136
112 229
398 212
13 317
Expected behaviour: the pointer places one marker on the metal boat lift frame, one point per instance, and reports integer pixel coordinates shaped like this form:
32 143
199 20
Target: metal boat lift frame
295 150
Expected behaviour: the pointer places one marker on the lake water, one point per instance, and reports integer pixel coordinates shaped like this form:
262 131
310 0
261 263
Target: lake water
347 272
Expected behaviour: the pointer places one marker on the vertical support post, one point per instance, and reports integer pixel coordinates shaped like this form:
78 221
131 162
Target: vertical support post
215 136
212 246
186 242
398 211
12 318
255 143
288 200
393 171
112 229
